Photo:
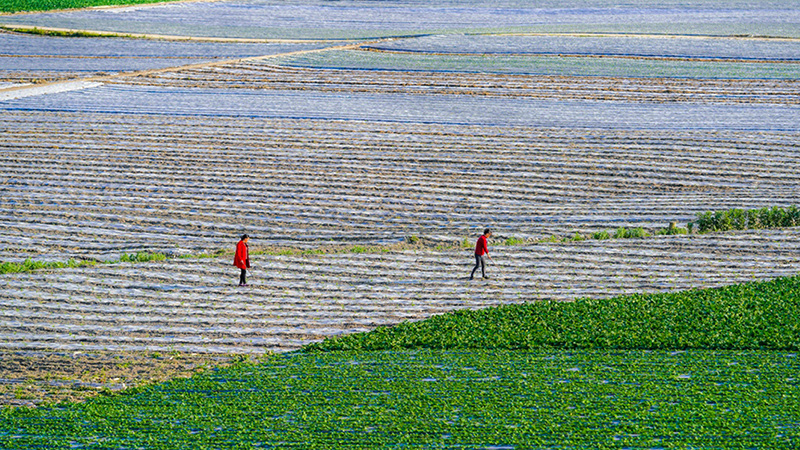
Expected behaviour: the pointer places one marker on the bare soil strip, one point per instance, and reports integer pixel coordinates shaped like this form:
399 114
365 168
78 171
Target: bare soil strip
29 378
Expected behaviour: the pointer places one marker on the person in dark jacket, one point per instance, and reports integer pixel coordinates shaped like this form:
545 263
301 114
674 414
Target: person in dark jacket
481 253
242 260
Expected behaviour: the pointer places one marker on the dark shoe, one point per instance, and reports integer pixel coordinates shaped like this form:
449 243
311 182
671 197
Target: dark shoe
485 277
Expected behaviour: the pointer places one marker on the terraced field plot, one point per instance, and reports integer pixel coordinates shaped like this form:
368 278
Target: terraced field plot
193 305
426 136
352 19
95 185
27 58
499 399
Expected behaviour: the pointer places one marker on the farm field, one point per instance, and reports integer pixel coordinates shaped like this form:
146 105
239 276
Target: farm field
436 382
499 399
364 146
14 6
29 58
353 19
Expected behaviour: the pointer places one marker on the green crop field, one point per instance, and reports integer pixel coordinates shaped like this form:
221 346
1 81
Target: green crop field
758 315
445 399
12 6
501 386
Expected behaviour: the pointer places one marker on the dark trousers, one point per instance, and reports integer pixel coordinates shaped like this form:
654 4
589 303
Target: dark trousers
480 261
243 277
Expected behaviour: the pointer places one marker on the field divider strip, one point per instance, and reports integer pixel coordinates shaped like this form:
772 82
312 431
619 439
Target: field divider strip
106 7
644 35
15 92
28 29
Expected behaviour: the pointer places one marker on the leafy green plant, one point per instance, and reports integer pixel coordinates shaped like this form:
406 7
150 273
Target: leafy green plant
553 239
751 219
142 257
601 235
673 229
577 237
621 233
514 241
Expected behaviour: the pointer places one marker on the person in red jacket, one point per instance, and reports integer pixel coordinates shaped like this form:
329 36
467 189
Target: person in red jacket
481 252
242 260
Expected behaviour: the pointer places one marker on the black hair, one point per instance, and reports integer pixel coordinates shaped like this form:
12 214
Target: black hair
487 231
244 236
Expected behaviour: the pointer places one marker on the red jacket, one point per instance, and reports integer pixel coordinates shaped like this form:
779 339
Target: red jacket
241 259
481 248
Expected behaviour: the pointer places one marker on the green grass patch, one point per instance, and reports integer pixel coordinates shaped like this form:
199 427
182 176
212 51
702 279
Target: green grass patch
60 33
12 6
30 265
757 315
142 257
586 399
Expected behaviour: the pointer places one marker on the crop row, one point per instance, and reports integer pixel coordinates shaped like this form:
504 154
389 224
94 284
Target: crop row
751 316
750 219
30 265
93 185
433 399
194 305
316 19
634 69
712 49
28 58
318 75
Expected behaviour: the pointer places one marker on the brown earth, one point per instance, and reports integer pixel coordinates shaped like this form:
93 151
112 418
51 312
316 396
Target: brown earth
30 378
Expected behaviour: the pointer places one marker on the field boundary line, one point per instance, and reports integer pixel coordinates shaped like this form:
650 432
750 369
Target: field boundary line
25 29
367 48
107 7
54 87
643 35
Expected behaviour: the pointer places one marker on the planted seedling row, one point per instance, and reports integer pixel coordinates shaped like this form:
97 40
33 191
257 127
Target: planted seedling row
294 299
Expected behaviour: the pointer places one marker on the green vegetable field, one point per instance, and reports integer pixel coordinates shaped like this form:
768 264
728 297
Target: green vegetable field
12 6
758 315
503 386
446 399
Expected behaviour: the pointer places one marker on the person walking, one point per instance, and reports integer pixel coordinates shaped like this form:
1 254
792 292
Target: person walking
481 253
242 259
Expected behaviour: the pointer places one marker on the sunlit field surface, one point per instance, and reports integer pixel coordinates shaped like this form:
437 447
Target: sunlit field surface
423 399
364 146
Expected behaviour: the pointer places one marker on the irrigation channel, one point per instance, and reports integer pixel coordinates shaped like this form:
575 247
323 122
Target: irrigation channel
110 146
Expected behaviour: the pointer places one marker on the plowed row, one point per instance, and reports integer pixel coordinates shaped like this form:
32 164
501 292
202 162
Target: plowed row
266 76
85 185
194 306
